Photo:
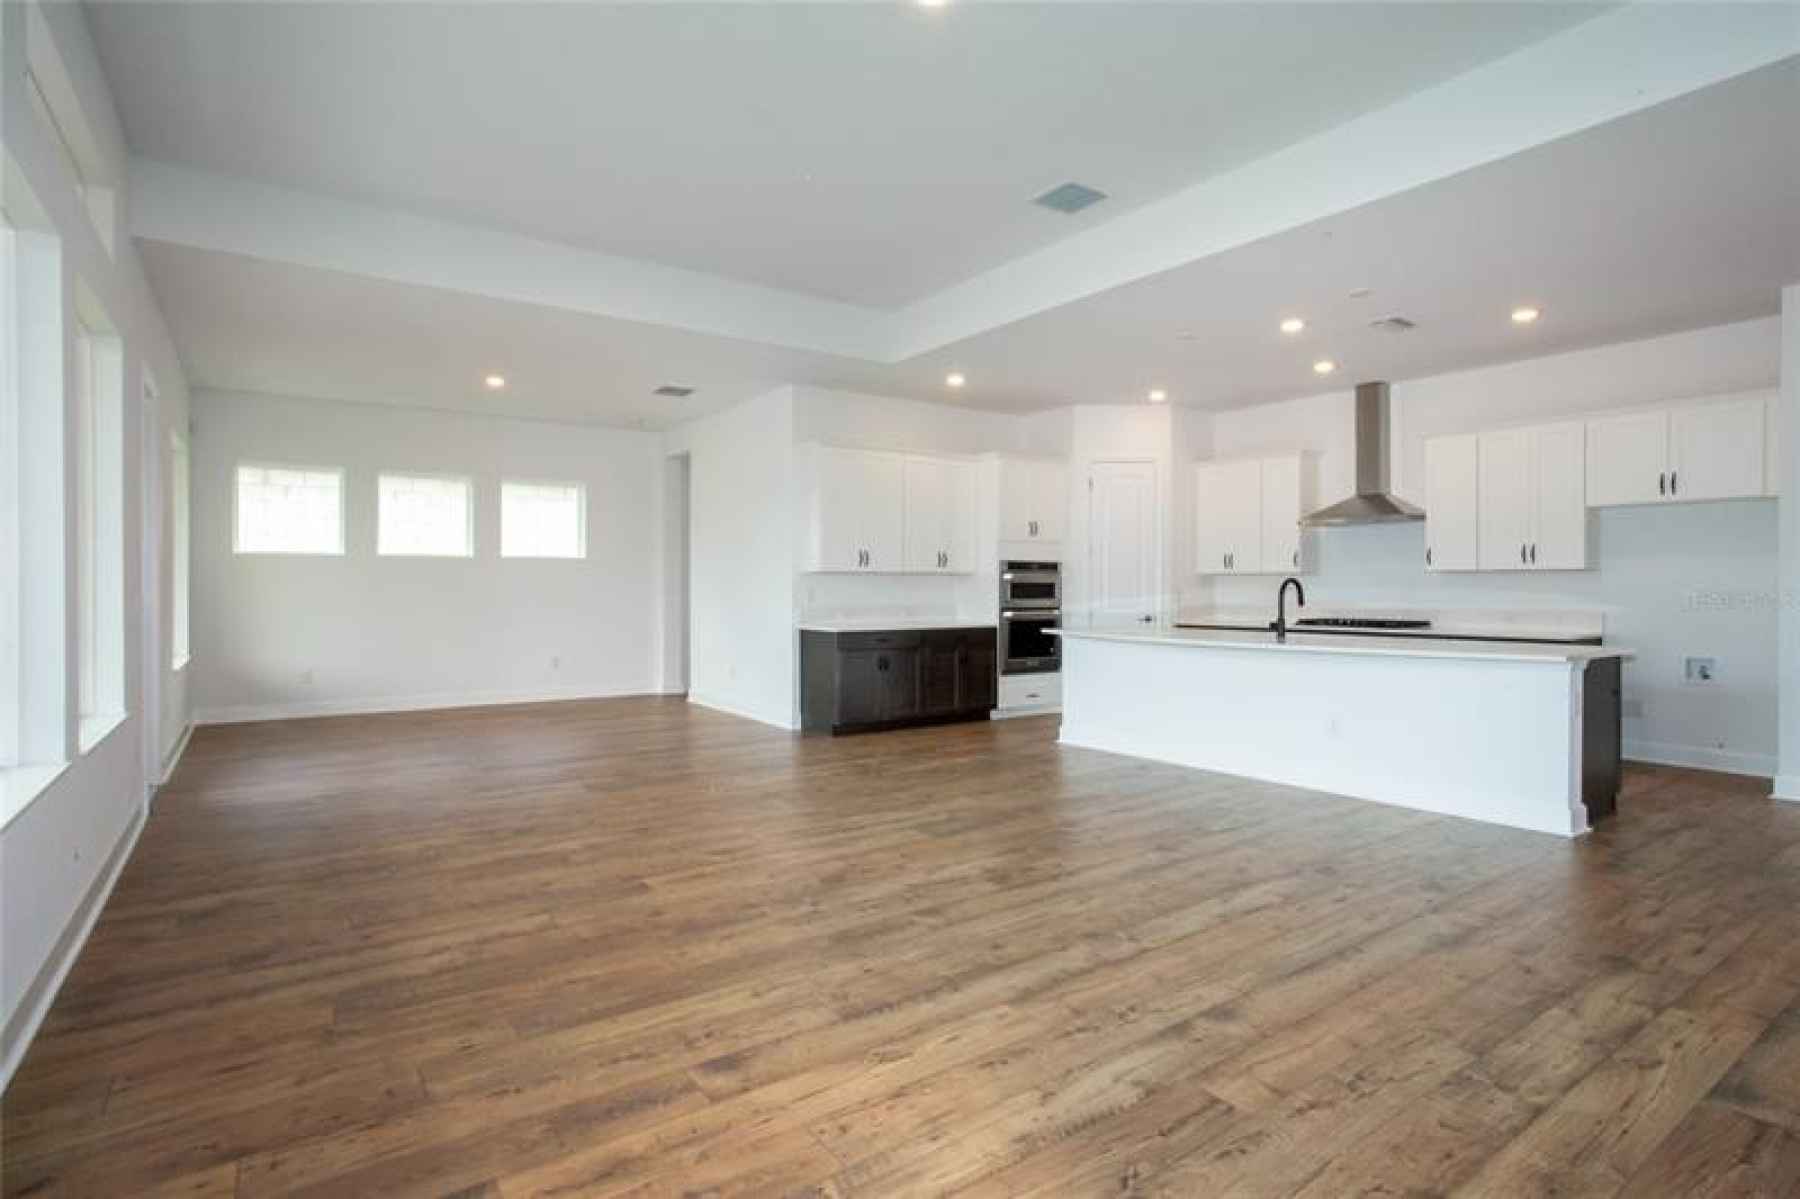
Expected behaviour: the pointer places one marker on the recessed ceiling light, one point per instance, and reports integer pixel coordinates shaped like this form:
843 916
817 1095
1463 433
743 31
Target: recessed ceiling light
1292 324
954 379
674 391
1324 366
1362 293
931 3
495 382
1525 315
1158 395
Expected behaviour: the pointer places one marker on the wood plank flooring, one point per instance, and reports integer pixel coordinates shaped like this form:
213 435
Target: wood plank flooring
630 947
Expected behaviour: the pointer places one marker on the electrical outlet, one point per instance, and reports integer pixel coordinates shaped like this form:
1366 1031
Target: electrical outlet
1701 671
306 678
556 662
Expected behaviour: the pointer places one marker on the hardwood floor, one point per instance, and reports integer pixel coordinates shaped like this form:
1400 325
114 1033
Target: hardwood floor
628 947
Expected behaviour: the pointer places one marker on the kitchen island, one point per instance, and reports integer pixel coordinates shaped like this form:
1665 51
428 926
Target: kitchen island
1519 734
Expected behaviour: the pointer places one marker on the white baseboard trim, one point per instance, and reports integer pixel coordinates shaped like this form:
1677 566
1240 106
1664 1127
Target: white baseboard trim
173 758
1727 761
1787 786
715 705
35 1003
407 703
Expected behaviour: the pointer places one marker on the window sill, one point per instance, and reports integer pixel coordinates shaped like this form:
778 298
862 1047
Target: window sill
19 785
180 664
96 728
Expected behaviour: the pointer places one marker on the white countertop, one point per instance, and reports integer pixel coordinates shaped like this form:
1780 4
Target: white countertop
1329 643
1527 625
882 624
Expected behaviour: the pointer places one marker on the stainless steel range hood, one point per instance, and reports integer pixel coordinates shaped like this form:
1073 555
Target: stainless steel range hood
1373 502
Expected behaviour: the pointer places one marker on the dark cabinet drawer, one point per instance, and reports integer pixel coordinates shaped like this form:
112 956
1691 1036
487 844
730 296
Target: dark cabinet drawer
902 639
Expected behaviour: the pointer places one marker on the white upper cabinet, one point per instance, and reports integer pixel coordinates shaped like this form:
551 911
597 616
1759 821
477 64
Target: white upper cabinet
1628 458
1247 516
1532 499
1709 451
1505 500
1716 450
1034 495
938 508
855 510
1451 507
1559 497
1284 499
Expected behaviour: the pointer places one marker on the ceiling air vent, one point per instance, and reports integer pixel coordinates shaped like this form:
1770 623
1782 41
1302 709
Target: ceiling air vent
1070 198
673 392
1393 324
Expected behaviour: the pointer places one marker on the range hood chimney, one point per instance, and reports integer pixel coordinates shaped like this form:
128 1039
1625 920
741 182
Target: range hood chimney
1373 502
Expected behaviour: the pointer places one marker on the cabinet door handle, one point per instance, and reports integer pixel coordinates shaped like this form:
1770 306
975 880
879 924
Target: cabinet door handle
1296 558
881 664
1522 556
1428 555
1674 486
1534 553
1662 483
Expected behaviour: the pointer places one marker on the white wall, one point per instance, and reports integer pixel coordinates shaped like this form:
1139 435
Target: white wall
1671 581
59 855
741 586
280 635
1787 784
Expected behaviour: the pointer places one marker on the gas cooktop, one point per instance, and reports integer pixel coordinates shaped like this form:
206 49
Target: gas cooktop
1358 622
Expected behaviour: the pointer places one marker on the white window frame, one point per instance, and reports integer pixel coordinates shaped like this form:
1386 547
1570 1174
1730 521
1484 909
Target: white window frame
310 468
100 526
468 485
581 520
11 613
181 552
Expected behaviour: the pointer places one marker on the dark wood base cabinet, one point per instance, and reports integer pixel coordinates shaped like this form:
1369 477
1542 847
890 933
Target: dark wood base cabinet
857 682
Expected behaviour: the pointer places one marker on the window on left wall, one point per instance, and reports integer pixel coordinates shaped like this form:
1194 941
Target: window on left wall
99 521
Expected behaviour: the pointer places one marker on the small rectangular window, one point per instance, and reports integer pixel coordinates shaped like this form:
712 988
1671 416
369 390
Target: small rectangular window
99 523
289 510
543 520
424 516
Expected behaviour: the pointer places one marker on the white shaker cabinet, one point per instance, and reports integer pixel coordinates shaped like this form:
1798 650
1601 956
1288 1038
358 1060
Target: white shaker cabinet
1284 501
1034 495
1708 451
1716 450
1247 516
1452 507
938 507
855 510
1531 499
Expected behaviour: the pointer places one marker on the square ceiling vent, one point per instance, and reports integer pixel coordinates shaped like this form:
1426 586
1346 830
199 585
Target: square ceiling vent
673 392
1070 198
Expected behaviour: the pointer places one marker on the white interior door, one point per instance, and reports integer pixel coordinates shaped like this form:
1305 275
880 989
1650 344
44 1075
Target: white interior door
152 451
1124 574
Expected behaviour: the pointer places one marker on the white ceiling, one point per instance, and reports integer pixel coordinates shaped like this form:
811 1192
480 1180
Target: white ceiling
1678 216
872 153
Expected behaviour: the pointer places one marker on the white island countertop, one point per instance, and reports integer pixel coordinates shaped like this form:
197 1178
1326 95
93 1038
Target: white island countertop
1337 644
